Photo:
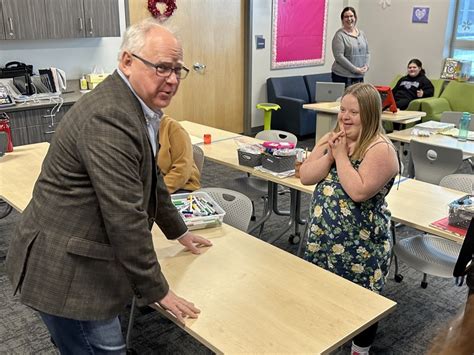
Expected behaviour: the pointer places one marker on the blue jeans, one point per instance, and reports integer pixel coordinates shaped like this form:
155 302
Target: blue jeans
85 337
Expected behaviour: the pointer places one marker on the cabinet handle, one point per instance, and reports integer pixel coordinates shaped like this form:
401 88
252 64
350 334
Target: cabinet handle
91 31
81 24
10 24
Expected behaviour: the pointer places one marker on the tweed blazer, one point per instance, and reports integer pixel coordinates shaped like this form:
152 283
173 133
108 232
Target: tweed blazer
83 246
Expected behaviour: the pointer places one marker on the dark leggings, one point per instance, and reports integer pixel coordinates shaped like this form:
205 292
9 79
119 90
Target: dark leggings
402 104
366 338
348 81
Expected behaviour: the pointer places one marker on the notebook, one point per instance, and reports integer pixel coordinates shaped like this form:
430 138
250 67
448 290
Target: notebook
329 92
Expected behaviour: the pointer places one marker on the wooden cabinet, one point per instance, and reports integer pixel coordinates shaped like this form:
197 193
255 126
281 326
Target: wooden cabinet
83 18
34 126
24 19
49 19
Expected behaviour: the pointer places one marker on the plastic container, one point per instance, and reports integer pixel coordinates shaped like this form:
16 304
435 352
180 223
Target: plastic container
461 212
464 123
279 164
249 159
194 220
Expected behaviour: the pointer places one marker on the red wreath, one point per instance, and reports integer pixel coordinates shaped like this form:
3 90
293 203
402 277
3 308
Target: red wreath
170 7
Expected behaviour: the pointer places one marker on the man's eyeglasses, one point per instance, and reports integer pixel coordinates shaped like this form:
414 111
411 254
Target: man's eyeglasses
165 71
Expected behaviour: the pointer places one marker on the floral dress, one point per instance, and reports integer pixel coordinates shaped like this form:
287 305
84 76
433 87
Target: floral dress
351 239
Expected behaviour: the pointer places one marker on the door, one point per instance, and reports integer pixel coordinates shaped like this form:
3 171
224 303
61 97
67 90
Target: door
102 18
212 32
24 19
2 28
67 18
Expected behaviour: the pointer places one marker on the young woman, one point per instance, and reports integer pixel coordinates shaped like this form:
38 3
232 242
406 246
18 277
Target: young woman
412 86
354 168
350 50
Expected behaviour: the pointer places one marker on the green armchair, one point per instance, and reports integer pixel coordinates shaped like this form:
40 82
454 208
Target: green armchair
457 96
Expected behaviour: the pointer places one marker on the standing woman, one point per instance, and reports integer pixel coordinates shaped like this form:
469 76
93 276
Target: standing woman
353 168
414 85
350 50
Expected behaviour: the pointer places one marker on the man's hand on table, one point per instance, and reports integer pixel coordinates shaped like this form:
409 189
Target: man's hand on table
193 242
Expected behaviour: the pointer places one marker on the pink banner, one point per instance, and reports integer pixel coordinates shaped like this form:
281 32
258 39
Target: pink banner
299 32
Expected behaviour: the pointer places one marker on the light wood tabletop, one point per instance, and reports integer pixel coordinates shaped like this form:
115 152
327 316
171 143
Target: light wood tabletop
327 116
256 298
18 173
197 131
413 203
405 136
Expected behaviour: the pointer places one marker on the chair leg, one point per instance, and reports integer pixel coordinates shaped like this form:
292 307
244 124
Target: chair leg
424 284
397 277
130 324
265 208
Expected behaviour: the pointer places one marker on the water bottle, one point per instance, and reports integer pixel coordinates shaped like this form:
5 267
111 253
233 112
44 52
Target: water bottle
464 126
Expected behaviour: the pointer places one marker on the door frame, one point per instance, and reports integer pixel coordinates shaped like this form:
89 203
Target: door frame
248 14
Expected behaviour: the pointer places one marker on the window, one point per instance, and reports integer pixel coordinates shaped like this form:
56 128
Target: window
462 43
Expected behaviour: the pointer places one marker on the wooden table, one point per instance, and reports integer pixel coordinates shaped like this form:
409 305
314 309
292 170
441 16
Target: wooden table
414 203
327 116
196 132
405 136
254 297
18 173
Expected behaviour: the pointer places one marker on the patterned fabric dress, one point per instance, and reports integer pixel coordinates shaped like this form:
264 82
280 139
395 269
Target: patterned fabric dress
350 239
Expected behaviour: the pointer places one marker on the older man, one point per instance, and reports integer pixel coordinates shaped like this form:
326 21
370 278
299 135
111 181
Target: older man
83 247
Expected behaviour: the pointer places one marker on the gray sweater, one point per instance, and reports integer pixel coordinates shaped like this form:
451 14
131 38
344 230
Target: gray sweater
350 52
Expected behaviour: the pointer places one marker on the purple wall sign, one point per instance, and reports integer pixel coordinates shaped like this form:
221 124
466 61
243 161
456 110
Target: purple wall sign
420 14
298 33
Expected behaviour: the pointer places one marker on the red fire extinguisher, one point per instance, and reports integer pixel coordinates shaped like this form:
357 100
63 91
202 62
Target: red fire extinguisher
5 127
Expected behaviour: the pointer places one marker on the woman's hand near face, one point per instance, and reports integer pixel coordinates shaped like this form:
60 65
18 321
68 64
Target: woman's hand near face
338 145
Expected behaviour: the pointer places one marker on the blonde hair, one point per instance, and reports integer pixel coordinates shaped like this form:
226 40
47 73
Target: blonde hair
370 111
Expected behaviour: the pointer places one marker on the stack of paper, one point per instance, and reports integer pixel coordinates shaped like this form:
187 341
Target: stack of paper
435 126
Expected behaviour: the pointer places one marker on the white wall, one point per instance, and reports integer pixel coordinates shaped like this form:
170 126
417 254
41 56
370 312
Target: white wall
394 39
261 58
75 56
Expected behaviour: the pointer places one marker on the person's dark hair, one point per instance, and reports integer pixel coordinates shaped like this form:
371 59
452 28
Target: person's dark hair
418 63
348 8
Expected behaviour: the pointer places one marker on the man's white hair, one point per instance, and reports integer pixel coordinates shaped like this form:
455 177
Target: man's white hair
135 35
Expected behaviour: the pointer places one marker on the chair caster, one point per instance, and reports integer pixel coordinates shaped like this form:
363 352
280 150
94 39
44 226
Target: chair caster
294 239
253 218
424 284
398 278
131 351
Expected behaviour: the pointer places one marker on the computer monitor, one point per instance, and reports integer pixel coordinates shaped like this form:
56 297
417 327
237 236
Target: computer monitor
388 101
328 92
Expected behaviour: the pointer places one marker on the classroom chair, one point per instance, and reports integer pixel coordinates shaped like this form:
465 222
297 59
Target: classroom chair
237 206
430 254
432 163
198 156
254 188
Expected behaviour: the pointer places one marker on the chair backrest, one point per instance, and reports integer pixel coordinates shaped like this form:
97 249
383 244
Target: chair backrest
460 182
289 86
459 95
198 156
3 143
432 162
275 135
237 206
455 117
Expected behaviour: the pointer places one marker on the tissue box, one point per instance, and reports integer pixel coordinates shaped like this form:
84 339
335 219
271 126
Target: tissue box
461 212
95 79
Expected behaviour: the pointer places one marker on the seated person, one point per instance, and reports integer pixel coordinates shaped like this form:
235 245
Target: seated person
175 157
414 85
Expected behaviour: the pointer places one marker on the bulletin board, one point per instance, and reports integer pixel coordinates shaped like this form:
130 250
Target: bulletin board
298 33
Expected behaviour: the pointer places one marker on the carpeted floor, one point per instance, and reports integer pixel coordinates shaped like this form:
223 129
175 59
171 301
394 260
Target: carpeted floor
420 313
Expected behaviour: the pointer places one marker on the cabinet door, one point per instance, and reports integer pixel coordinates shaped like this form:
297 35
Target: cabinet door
67 18
2 25
102 18
24 19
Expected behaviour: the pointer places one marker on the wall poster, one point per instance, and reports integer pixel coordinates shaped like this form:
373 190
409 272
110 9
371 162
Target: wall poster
298 33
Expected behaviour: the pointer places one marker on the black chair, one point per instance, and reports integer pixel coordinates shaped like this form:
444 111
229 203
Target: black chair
291 94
